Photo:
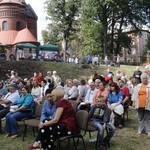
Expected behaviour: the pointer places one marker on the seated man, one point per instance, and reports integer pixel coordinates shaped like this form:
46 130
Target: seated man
99 116
10 98
89 98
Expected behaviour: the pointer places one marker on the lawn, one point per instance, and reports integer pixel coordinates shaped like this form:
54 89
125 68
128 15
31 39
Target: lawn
124 139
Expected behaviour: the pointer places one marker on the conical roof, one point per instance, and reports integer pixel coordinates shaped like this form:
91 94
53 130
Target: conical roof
7 37
25 36
21 2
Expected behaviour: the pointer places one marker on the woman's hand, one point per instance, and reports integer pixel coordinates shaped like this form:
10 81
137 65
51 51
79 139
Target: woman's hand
41 125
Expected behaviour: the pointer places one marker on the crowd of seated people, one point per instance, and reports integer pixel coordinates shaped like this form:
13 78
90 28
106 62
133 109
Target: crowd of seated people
110 91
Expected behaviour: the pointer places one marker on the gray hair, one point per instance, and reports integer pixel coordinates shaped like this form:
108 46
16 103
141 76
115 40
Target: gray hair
144 75
98 80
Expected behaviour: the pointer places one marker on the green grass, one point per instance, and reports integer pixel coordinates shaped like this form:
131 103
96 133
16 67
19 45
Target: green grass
124 139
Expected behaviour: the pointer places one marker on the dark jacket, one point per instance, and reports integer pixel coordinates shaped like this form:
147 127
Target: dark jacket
98 113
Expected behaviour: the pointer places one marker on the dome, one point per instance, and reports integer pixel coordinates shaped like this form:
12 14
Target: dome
21 2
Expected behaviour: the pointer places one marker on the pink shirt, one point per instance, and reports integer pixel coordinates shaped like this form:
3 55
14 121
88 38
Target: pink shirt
98 93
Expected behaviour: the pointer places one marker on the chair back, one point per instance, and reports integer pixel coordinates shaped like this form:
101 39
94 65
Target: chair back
38 110
82 119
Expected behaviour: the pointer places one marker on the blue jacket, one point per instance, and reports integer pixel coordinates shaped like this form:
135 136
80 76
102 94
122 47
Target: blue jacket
26 101
101 114
48 111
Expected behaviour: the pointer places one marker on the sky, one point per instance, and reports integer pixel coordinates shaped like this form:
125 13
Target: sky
38 7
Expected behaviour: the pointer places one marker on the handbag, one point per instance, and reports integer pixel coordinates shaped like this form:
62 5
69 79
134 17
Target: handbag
13 108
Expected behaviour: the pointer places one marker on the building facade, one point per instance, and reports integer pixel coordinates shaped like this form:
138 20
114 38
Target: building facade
15 17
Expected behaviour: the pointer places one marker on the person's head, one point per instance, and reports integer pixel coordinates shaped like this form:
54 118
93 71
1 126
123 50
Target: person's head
70 83
21 84
75 82
35 74
25 90
102 86
144 78
35 83
49 73
12 88
92 85
49 96
12 72
57 94
114 87
101 100
122 82
40 74
97 82
83 82
16 74
43 83
54 72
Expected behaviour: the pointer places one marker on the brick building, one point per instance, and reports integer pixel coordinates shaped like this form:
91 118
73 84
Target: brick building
18 24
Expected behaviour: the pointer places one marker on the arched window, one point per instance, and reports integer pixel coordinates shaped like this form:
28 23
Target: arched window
18 26
5 25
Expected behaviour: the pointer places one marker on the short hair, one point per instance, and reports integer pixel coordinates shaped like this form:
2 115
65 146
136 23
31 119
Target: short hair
101 97
48 91
58 93
27 88
144 75
98 80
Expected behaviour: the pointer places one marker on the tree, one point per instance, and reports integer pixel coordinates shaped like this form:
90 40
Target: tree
63 13
91 33
148 43
51 35
114 16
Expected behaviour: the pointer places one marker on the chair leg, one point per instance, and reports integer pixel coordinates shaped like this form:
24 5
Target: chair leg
58 144
96 145
74 144
68 144
25 131
0 126
90 134
83 143
33 131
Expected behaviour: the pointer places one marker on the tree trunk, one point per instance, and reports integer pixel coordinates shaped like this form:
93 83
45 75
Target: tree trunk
64 47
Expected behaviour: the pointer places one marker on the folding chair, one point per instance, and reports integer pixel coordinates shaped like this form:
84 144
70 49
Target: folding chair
33 122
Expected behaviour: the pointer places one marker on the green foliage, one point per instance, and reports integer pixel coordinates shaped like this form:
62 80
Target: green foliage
113 16
2 49
91 32
62 14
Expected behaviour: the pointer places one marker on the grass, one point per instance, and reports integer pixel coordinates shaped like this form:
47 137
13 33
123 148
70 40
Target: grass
124 139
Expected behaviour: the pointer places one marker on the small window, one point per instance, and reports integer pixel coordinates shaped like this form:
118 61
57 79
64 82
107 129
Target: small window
18 26
5 26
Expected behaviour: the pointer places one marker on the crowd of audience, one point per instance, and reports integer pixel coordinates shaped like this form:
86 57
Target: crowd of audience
106 97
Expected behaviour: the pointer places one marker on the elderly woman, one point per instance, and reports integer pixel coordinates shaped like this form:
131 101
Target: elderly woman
64 123
141 101
24 108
